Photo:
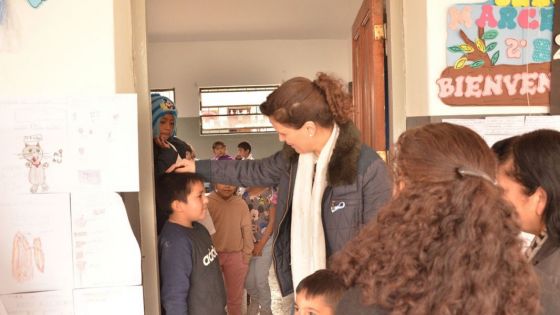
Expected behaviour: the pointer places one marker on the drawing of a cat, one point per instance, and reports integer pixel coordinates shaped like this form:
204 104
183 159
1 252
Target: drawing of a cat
33 154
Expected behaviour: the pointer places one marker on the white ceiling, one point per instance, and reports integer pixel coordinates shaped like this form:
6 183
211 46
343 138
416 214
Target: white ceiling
209 20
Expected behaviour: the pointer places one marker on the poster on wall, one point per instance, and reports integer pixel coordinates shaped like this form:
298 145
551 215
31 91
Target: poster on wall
66 245
110 300
38 303
54 145
498 53
34 146
555 63
100 229
35 243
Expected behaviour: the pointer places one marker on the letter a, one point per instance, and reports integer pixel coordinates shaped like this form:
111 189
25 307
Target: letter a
486 17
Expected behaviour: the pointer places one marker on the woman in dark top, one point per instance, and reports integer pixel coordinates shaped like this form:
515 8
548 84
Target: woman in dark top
329 183
529 172
447 243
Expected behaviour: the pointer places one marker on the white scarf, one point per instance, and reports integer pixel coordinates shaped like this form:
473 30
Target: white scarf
308 247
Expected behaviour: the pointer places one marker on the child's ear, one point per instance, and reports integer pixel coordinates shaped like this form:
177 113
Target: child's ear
176 206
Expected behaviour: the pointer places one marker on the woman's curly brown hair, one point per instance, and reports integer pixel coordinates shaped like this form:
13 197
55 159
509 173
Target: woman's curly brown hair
298 100
447 243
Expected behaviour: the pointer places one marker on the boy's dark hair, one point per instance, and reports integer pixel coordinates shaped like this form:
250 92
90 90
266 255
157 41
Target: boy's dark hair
218 143
245 146
323 283
174 186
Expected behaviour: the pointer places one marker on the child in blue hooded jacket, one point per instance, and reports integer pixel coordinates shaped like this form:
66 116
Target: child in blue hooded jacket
167 147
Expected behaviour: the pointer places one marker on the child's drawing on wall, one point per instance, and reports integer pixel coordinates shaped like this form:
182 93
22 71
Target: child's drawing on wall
23 257
36 162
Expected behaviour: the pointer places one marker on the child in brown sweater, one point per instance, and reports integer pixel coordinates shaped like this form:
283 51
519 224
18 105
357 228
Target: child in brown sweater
233 240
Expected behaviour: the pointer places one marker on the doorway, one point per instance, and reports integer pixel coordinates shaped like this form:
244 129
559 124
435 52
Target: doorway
194 44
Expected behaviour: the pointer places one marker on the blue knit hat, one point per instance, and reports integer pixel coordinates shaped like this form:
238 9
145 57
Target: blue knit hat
162 106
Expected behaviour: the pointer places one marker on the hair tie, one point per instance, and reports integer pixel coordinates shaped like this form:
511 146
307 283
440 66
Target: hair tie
317 87
469 172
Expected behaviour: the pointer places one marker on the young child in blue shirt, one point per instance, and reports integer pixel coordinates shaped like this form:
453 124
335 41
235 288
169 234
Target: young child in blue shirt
168 148
190 276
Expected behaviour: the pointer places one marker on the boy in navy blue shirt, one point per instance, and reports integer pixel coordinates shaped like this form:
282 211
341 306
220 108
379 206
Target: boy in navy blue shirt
190 276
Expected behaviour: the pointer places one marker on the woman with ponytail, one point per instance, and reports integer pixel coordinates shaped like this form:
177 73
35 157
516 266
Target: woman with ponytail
447 243
329 183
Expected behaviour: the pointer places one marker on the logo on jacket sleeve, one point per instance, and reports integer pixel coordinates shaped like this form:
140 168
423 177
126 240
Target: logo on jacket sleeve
209 258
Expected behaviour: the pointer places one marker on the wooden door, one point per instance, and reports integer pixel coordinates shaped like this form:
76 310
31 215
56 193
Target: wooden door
368 68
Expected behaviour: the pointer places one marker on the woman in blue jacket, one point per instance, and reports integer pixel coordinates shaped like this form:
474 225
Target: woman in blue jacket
329 183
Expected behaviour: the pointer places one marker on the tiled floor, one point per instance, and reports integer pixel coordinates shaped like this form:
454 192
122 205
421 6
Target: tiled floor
280 305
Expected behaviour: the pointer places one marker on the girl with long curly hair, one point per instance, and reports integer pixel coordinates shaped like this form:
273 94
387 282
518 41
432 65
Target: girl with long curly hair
447 243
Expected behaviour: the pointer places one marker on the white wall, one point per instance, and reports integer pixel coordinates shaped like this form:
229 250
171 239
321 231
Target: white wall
189 65
69 47
396 69
62 47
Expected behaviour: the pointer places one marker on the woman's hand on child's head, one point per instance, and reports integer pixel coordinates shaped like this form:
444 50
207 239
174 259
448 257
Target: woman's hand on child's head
182 166
161 142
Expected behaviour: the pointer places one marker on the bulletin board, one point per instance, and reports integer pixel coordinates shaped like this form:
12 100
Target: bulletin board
555 63
66 245
490 57
498 53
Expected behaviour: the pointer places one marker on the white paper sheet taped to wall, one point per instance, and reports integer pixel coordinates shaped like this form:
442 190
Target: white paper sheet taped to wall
39 303
3 310
44 234
66 245
69 144
495 128
106 252
114 300
93 301
35 243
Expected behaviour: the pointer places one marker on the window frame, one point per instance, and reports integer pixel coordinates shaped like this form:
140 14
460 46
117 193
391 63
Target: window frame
237 112
165 91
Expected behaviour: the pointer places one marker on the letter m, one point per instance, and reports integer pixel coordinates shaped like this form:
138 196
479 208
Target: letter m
459 16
